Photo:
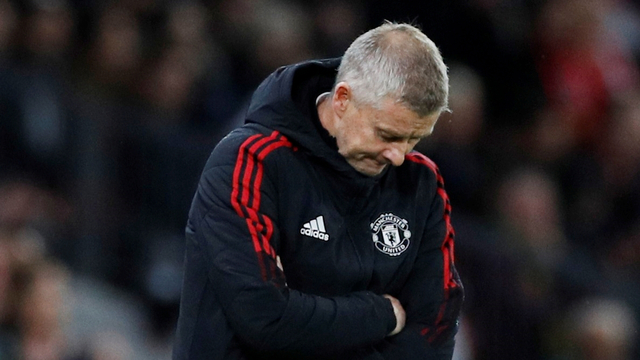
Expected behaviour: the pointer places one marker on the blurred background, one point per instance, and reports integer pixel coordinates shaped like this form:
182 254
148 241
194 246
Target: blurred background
109 109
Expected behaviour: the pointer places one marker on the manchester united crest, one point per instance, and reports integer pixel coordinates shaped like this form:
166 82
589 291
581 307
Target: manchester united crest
391 234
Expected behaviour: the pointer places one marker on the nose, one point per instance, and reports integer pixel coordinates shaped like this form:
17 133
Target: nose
395 153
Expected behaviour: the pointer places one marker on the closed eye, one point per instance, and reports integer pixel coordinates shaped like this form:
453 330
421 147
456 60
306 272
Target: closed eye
389 137
392 138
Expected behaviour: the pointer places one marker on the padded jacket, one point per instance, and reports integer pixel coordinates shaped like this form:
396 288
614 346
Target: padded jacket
289 249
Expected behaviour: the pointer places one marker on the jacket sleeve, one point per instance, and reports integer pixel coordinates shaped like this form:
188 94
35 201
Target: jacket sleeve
234 221
433 294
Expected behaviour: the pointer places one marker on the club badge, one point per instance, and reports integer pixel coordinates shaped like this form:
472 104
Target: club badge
391 234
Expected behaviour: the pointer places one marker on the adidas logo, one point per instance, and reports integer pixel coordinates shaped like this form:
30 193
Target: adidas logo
315 229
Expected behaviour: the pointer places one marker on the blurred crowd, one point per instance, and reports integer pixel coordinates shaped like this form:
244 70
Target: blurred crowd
109 109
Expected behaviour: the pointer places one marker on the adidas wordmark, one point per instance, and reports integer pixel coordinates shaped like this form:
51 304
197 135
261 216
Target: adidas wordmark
315 229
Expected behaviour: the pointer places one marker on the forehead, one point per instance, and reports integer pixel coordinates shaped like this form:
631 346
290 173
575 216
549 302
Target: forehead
397 118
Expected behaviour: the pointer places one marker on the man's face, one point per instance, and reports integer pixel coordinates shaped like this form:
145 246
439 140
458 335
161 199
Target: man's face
370 138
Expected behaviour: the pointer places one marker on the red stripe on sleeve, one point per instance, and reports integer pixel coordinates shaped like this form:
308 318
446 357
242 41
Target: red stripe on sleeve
249 167
254 235
447 246
447 243
421 159
236 173
250 158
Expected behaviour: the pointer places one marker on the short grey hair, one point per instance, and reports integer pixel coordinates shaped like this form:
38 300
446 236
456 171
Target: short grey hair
400 62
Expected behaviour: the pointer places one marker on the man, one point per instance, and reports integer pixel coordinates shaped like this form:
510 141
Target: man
315 232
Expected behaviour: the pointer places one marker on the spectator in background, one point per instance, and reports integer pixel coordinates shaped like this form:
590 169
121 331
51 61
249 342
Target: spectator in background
602 186
8 22
7 340
524 270
38 112
8 126
337 23
42 313
29 323
583 67
113 53
600 329
41 299
264 35
109 58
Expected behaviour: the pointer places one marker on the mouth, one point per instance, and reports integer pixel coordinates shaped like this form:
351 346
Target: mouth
369 166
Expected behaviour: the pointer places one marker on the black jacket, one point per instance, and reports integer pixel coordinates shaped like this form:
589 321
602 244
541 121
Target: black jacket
277 188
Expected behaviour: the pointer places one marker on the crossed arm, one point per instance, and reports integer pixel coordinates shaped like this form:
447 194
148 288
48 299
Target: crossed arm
271 317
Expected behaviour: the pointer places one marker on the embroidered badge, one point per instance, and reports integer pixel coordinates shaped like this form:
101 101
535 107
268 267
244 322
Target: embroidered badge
391 234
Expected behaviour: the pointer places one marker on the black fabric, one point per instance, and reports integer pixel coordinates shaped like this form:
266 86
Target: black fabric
277 189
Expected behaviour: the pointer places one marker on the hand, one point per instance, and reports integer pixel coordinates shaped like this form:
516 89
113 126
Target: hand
398 310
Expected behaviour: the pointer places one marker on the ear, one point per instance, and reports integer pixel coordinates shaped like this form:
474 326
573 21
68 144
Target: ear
342 96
